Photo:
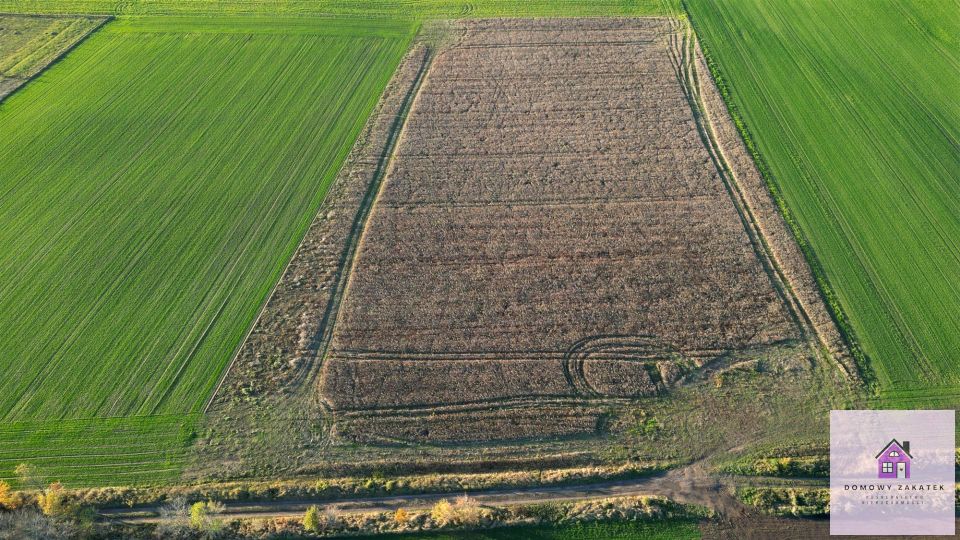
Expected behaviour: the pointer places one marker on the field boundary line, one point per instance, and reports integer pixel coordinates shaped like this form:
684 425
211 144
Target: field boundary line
688 73
103 20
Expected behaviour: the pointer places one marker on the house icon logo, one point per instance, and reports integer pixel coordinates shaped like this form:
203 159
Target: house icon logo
894 460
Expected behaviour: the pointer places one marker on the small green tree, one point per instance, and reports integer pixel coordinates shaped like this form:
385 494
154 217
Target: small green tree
202 516
311 520
27 476
198 514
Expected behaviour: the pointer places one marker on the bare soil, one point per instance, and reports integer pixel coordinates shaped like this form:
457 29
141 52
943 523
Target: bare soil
552 225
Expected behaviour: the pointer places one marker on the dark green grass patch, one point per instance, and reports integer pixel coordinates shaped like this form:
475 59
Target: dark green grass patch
852 106
656 530
97 451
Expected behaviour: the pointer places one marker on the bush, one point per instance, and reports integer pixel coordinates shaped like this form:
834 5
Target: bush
442 513
51 500
401 517
28 523
549 512
465 511
7 500
202 516
27 476
468 511
311 520
174 518
315 521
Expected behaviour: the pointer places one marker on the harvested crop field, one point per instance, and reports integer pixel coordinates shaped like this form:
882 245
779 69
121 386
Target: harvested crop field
552 228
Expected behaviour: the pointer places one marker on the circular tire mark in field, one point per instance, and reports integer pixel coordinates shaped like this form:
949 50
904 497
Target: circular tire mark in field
634 359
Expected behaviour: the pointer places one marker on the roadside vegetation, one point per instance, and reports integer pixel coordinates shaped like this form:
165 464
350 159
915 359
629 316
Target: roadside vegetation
47 512
627 517
787 501
860 140
330 489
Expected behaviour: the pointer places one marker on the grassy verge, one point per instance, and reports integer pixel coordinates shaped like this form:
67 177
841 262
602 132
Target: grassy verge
346 487
787 501
28 44
132 450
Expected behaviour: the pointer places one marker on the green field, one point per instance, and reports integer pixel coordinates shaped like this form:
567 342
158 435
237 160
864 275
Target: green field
655 530
99 451
154 184
420 9
853 108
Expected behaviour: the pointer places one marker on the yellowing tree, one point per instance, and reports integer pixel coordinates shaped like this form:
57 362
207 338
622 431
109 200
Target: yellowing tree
7 501
443 513
51 500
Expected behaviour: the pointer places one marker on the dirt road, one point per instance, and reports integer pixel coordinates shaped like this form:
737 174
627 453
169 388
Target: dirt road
687 485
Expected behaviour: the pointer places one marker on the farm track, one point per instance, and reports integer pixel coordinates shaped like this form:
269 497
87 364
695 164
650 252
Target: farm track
774 243
867 191
688 75
286 301
587 399
686 485
347 260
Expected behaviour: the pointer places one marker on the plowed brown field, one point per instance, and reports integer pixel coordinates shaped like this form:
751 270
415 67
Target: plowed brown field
552 227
